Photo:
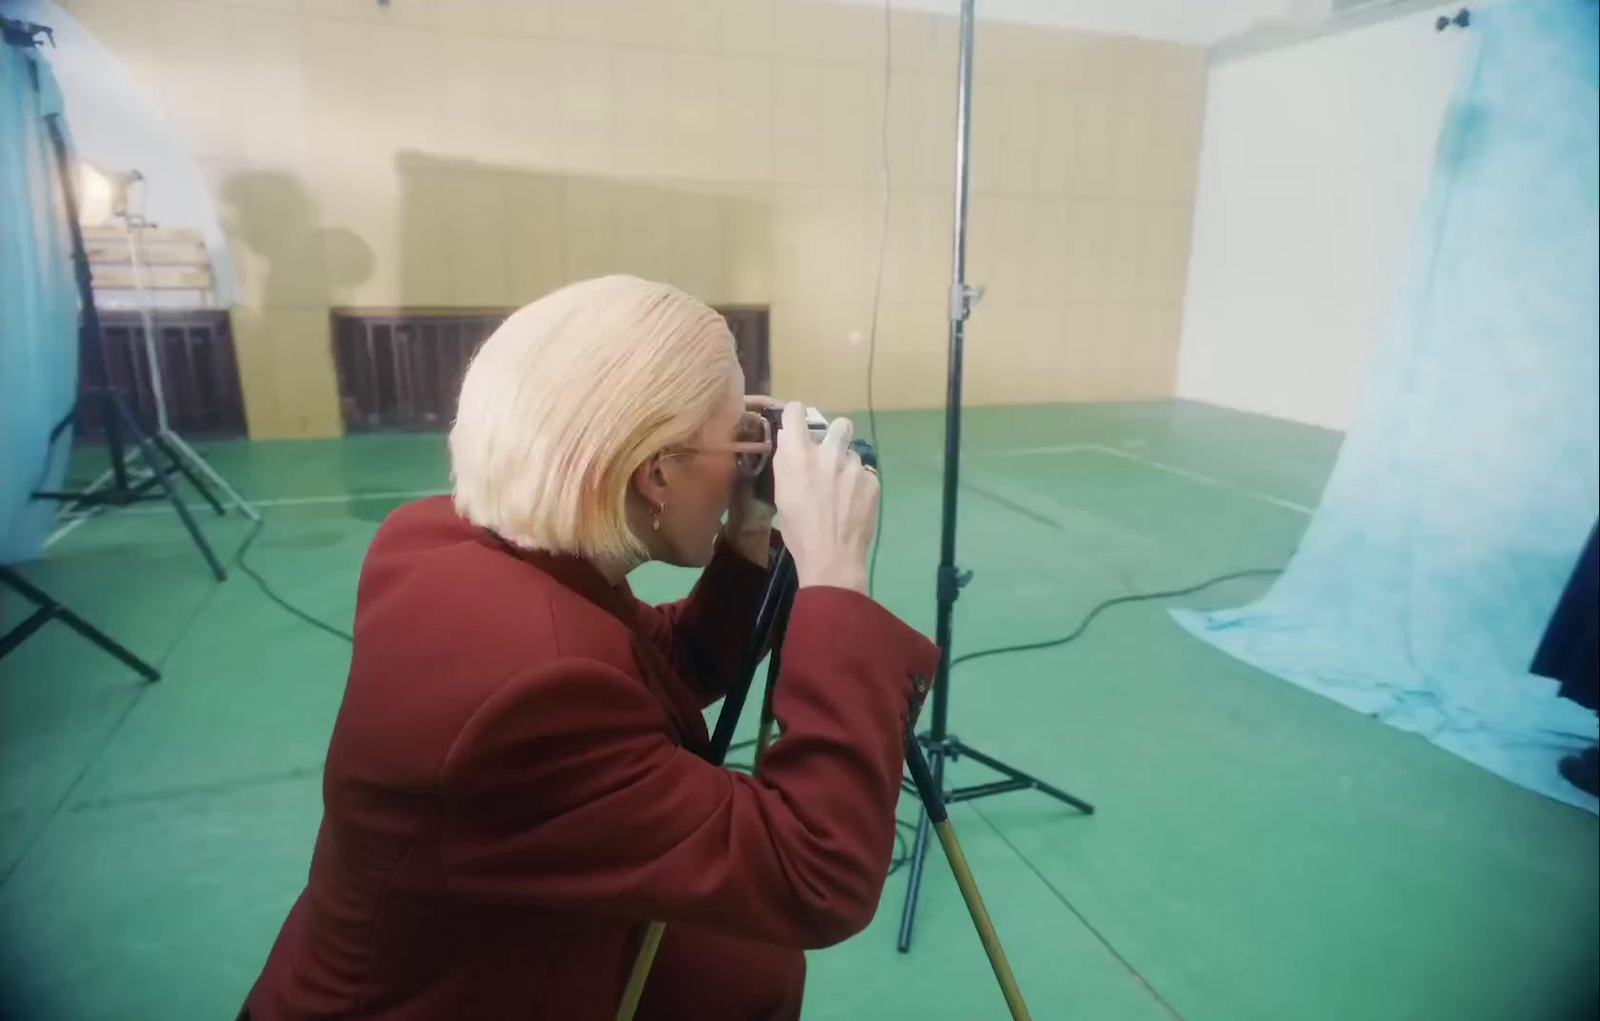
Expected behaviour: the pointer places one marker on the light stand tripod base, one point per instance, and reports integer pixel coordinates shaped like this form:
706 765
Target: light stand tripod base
948 749
121 426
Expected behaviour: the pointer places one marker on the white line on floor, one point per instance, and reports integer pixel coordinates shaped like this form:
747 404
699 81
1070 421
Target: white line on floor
1205 480
1122 450
62 531
1065 448
303 501
161 507
71 523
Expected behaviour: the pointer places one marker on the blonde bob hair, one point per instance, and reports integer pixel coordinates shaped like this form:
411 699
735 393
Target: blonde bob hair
569 397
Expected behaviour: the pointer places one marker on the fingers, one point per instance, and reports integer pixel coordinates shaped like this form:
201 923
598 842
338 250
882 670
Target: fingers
838 436
793 432
794 417
871 490
758 402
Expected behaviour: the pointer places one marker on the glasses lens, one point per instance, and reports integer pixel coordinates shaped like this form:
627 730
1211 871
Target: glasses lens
753 429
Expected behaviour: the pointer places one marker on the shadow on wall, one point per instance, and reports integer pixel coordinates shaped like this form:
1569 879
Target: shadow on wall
290 267
472 241
478 240
476 235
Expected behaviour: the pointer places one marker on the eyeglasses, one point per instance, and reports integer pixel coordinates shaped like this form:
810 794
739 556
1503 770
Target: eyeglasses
751 446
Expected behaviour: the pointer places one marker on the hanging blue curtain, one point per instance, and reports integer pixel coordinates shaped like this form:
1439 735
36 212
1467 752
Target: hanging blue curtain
38 302
1468 483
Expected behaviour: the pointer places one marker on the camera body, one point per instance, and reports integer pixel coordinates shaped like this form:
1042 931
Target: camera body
817 425
816 421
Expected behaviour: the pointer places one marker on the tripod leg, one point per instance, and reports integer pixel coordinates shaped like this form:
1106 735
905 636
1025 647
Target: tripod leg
111 414
764 733
774 667
634 990
771 621
181 463
981 920
933 803
22 632
217 480
49 608
919 847
107 644
1032 781
145 449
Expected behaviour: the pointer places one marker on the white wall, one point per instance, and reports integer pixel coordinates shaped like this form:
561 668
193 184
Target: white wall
1314 162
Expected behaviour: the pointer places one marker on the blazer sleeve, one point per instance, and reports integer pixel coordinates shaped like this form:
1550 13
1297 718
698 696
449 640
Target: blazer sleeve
704 635
565 791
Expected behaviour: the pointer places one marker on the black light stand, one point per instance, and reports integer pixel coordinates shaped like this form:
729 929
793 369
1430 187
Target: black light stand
942 746
45 607
121 426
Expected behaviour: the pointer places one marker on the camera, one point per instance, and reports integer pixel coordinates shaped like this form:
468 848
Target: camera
817 425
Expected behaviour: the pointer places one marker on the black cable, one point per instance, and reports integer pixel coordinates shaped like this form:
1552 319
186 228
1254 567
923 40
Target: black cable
267 590
1139 597
877 291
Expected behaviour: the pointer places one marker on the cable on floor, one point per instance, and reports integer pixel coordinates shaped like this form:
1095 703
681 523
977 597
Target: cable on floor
1138 597
268 591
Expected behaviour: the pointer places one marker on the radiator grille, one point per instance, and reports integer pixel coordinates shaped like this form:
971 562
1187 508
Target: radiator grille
401 370
200 373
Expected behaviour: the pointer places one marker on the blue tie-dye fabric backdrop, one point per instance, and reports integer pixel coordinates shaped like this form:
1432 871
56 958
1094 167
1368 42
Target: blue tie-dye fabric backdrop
1468 483
38 305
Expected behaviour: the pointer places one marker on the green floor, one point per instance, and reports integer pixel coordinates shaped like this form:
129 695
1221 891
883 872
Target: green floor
1259 854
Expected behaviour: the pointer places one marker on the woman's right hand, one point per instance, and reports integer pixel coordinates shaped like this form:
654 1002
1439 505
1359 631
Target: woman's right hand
827 502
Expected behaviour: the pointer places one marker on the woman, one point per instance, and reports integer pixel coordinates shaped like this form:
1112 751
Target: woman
513 790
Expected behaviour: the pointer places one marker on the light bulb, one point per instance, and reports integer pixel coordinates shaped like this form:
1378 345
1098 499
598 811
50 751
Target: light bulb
94 195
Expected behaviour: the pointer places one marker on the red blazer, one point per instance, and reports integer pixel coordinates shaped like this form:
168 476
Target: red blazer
513 791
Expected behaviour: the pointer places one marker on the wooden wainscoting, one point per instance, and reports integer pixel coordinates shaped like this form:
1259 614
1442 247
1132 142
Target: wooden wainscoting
400 369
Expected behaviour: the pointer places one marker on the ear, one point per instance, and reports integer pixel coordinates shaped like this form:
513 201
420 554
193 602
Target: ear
652 480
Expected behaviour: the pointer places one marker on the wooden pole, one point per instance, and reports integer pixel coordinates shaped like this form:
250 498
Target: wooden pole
634 990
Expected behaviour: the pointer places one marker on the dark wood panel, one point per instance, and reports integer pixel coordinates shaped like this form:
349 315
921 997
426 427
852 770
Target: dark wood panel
401 370
751 326
199 373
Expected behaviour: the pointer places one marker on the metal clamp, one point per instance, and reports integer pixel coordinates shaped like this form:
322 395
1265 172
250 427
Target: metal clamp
951 580
962 298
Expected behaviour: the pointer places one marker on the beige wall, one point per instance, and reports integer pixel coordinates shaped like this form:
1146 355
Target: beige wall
481 152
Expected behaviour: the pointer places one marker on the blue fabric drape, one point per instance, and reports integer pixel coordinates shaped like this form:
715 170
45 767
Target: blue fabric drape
1468 483
38 305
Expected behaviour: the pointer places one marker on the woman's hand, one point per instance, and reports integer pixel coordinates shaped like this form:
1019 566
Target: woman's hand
749 526
828 501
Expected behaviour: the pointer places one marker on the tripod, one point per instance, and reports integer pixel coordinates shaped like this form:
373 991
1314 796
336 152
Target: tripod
943 746
167 438
772 620
161 460
46 609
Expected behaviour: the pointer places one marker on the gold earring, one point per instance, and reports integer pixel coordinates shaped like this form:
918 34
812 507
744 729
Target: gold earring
655 518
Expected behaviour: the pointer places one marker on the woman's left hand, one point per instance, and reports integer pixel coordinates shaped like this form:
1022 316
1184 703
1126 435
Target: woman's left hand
749 525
